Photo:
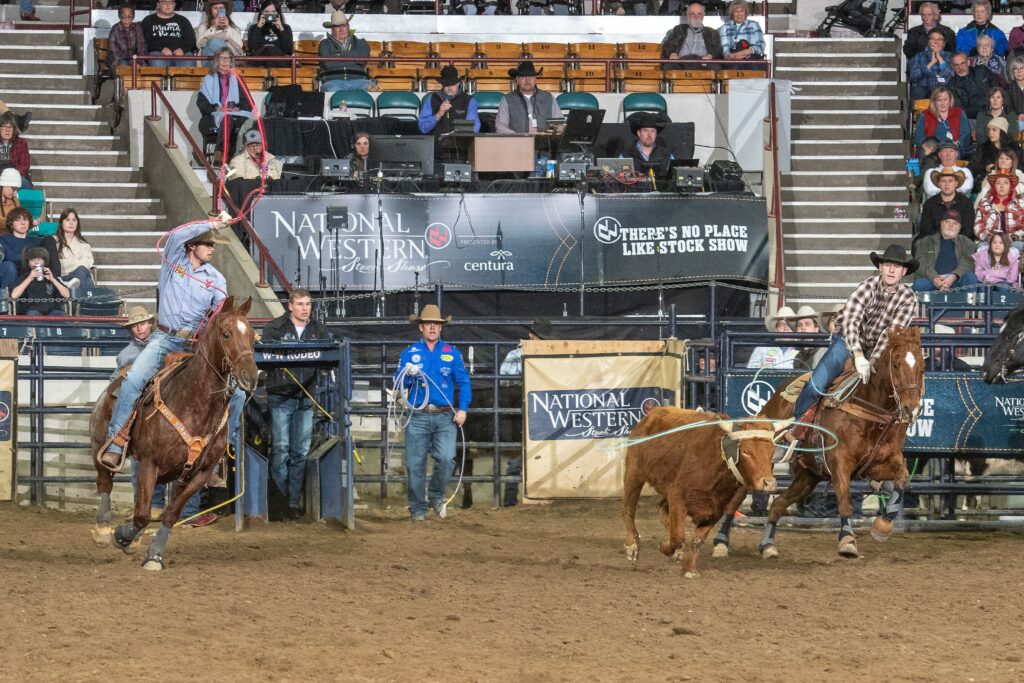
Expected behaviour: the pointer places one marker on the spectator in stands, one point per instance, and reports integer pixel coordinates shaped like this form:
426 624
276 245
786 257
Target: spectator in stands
221 99
917 38
691 40
1005 163
929 68
169 33
527 108
1016 42
22 120
73 250
289 400
943 120
645 150
359 160
970 84
14 148
42 290
14 243
217 30
442 108
342 42
126 39
270 36
806 322
987 153
740 35
140 328
967 37
490 7
948 199
28 10
946 258
777 357
252 161
997 261
10 182
947 159
998 106
1000 210
988 59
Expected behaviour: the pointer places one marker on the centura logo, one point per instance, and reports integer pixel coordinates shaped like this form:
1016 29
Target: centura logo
502 261
755 395
438 235
607 230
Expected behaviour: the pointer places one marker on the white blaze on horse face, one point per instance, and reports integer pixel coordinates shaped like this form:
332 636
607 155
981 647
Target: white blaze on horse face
911 361
242 327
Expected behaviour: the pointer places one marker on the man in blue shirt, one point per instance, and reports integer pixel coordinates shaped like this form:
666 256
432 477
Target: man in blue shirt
441 109
432 370
189 288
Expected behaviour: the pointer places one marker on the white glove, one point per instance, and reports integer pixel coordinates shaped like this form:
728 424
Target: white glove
412 370
863 366
221 221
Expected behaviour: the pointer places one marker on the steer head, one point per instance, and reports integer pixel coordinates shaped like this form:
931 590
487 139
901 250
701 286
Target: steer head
748 449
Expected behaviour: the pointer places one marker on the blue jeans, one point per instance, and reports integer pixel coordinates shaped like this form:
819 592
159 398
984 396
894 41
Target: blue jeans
211 47
27 6
433 433
83 274
923 284
54 312
8 274
291 429
181 61
337 84
828 368
159 500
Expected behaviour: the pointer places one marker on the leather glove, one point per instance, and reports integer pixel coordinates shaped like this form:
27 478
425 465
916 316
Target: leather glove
412 370
221 221
863 366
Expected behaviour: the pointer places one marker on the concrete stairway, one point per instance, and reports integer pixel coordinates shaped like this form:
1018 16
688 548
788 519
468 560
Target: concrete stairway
847 192
79 164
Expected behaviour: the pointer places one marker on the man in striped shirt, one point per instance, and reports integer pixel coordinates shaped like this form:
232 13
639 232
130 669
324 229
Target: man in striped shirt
862 329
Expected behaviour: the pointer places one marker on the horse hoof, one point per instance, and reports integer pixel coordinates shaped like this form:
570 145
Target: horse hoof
666 549
678 555
720 550
769 552
132 547
102 535
881 529
848 548
153 565
691 575
632 552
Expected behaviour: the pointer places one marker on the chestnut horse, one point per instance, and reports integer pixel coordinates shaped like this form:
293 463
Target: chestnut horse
198 394
871 426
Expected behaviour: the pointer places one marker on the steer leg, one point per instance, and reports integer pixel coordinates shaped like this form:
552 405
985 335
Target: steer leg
803 482
700 536
721 545
677 526
633 484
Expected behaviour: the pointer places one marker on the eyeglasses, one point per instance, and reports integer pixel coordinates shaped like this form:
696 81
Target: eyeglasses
959 63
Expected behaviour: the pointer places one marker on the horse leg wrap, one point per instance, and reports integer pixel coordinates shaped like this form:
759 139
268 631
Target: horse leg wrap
159 544
722 537
103 514
845 528
894 504
769 535
125 534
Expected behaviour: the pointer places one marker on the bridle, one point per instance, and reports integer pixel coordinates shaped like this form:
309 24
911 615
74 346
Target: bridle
1009 379
227 366
897 390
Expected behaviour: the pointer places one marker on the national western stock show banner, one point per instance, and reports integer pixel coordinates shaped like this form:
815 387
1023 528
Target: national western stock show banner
486 241
582 396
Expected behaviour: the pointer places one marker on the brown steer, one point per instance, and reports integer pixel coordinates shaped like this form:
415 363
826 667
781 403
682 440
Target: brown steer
697 471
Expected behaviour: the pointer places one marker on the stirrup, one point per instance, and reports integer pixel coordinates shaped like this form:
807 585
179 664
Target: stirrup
115 463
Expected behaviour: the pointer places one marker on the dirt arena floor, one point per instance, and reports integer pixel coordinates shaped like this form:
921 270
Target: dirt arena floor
537 593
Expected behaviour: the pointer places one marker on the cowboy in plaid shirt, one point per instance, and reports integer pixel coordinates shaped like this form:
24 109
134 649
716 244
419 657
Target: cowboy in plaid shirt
742 37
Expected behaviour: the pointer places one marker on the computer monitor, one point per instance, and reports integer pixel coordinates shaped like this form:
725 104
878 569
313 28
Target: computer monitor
582 126
402 155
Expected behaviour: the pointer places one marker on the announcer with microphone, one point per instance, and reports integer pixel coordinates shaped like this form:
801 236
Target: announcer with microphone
442 108
429 371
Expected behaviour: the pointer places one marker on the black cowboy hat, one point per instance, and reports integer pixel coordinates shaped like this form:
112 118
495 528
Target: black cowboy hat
894 253
525 69
541 328
646 119
449 76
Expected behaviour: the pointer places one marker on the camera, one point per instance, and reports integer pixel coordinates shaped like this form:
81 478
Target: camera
271 18
222 12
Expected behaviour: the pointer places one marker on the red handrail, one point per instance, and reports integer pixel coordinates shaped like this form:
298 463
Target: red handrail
266 261
74 12
775 203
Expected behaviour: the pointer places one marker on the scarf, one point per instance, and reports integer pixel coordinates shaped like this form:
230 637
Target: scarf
211 89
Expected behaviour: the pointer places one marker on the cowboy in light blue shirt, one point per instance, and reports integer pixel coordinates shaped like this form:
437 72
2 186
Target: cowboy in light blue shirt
184 302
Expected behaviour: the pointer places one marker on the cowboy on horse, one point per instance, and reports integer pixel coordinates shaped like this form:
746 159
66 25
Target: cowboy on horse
190 287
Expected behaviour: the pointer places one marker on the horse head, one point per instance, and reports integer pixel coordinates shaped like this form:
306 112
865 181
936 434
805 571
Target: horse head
905 365
1007 355
228 342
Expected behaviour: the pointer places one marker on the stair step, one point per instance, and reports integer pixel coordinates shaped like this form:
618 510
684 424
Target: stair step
842 209
127 221
865 163
61 112
855 76
840 90
847 103
834 45
878 60
36 97
41 37
843 148
63 173
87 157
845 119
111 190
68 143
817 132
845 194
35 66
844 178
51 127
138 242
112 207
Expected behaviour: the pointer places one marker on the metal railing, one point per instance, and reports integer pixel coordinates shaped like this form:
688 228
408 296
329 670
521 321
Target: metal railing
775 202
265 261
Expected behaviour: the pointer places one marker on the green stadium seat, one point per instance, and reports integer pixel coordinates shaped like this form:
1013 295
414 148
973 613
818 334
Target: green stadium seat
643 101
400 105
568 101
358 102
488 100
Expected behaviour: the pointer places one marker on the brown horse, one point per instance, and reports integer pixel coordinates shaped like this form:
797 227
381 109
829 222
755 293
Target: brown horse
871 426
197 394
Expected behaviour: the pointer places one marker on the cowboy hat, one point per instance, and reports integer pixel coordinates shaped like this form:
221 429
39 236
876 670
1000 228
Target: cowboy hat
525 69
429 314
894 253
784 313
541 328
1001 173
137 314
209 238
449 76
956 173
646 119
338 18
828 314
805 311
10 178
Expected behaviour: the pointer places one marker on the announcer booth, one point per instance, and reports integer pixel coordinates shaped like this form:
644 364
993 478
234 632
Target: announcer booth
330 485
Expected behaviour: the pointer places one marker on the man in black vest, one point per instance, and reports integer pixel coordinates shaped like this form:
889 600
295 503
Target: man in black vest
441 109
645 150
527 108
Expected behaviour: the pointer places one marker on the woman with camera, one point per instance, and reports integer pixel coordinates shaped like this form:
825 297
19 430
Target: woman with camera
269 36
217 31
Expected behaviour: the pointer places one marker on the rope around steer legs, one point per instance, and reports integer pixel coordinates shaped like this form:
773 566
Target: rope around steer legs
626 443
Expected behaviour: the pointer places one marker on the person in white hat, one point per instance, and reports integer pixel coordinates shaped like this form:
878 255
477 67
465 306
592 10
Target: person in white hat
10 183
249 163
140 327
806 322
342 42
775 356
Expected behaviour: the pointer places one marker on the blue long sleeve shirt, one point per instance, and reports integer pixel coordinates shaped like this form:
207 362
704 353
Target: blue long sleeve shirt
427 121
928 76
444 366
184 301
967 38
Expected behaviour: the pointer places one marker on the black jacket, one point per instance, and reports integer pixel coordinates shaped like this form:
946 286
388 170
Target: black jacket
281 329
971 91
917 39
934 209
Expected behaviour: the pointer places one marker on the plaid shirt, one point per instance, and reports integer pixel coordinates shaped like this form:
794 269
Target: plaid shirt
988 220
869 313
732 33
